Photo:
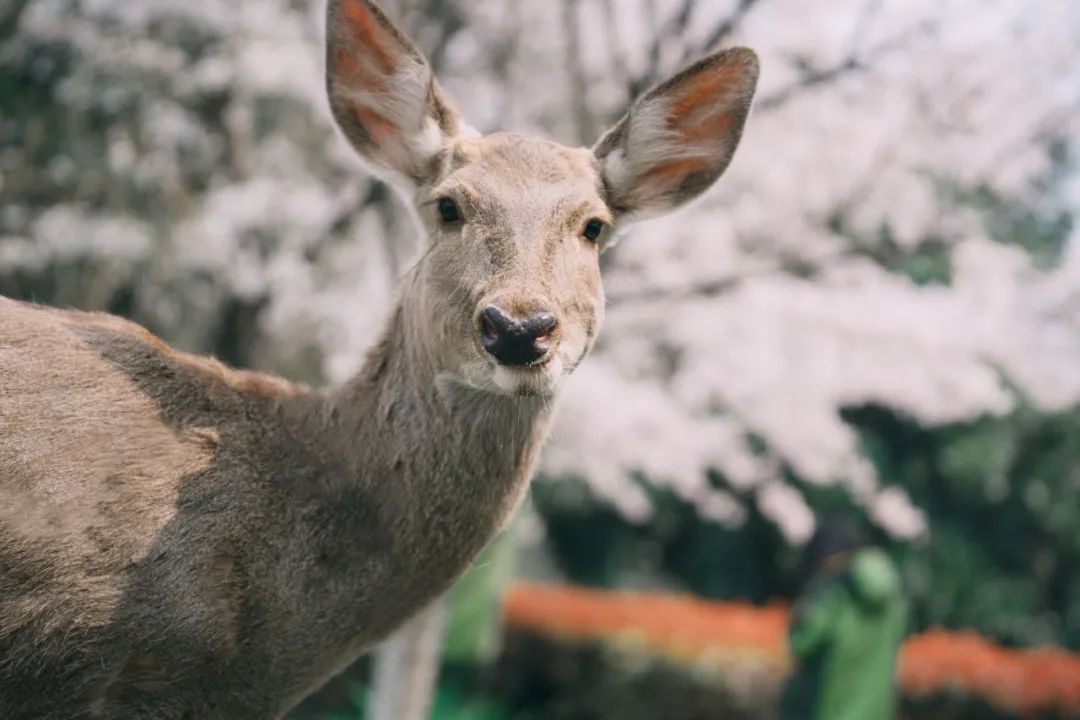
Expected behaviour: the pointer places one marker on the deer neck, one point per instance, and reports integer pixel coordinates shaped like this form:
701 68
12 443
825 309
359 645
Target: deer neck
444 463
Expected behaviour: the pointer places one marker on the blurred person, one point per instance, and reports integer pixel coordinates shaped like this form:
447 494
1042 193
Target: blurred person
846 629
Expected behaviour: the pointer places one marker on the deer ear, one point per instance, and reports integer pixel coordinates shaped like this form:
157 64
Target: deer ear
383 94
678 137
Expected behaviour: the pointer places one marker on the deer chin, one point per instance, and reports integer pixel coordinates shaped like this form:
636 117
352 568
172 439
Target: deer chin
542 379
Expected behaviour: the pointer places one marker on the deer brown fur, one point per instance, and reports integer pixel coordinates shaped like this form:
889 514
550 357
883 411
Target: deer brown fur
183 540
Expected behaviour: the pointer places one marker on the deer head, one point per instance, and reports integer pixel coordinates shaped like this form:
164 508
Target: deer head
509 284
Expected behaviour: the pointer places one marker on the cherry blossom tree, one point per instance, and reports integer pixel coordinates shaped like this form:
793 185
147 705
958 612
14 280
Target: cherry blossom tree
897 228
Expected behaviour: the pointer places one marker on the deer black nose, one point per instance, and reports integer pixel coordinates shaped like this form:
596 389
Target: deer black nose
516 342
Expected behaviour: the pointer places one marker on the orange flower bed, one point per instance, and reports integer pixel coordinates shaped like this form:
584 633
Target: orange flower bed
691 630
1022 680
684 628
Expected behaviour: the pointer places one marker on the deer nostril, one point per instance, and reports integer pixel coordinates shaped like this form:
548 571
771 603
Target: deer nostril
541 324
487 329
494 323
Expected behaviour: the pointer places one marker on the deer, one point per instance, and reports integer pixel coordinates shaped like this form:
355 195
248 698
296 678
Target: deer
184 540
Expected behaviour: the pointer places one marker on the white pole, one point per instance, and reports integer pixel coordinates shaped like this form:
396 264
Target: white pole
407 667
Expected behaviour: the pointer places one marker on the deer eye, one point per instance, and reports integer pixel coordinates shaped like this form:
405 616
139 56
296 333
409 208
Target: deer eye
448 210
592 230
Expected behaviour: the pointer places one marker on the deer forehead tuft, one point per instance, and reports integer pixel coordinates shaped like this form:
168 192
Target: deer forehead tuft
523 158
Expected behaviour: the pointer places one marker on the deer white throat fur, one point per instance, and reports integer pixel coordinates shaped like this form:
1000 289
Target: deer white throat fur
179 539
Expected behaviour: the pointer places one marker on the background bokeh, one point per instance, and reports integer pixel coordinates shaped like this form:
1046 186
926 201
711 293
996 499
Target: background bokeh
877 309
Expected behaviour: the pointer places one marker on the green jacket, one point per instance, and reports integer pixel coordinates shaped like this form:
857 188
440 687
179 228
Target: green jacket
844 641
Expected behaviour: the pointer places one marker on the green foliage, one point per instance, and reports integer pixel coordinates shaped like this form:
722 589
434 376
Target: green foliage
349 697
1001 497
474 633
589 539
358 696
1041 232
595 546
452 704
928 263
542 678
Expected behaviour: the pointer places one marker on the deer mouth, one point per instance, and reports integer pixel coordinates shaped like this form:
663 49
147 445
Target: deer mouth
539 364
540 377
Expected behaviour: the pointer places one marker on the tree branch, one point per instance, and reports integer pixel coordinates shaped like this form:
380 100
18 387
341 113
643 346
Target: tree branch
799 267
719 33
672 28
583 121
615 48
854 62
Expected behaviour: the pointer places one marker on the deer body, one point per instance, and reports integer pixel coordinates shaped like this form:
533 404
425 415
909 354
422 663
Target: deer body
269 557
183 540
